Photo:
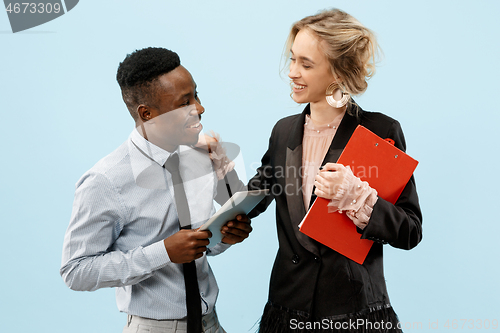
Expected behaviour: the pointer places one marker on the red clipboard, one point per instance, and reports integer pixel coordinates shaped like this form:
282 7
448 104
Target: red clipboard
375 160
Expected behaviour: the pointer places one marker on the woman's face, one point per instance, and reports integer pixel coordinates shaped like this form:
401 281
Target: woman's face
309 69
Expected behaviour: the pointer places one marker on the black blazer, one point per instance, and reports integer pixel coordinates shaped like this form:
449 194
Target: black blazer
308 277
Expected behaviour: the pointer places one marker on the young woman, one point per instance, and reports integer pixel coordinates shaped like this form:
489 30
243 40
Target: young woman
312 287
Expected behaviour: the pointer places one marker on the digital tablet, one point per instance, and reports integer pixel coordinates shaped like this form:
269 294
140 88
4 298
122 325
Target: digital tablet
239 203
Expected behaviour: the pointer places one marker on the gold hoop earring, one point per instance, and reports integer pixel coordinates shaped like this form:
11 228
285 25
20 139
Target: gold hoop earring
332 101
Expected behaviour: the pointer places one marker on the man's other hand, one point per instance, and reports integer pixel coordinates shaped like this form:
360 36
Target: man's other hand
235 231
187 245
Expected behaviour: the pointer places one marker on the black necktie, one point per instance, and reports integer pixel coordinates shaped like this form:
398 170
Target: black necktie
193 301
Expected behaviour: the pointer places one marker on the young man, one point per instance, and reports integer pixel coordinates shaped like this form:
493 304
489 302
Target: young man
136 212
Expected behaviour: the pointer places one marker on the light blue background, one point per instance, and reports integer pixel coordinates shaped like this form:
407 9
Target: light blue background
62 111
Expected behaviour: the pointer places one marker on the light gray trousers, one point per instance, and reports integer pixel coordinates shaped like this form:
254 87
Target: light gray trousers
137 324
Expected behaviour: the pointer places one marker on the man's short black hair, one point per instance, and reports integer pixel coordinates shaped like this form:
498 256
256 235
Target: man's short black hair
138 72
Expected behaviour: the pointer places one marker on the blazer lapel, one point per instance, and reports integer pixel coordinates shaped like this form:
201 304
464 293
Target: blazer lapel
295 200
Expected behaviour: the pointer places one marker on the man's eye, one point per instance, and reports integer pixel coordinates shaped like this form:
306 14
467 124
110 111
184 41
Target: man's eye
306 66
292 59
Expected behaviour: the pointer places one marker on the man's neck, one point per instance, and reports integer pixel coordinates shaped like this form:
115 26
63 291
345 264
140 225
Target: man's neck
142 131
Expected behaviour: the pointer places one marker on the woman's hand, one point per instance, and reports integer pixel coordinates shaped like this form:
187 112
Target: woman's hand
212 144
208 141
329 180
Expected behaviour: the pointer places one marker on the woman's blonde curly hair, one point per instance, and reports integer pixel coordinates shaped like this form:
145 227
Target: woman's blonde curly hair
350 47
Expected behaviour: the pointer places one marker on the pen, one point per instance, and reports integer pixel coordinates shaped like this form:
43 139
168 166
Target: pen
322 167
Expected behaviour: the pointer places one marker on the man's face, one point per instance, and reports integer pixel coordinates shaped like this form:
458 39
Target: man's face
175 119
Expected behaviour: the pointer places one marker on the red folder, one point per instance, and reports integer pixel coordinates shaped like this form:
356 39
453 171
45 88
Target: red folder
375 160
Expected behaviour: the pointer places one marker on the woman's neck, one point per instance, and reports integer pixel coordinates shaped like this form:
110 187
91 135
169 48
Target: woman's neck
323 113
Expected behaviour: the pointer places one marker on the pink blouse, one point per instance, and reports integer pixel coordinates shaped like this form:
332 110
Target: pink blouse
355 197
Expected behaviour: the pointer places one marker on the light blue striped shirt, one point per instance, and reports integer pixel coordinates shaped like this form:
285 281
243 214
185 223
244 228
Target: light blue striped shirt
123 209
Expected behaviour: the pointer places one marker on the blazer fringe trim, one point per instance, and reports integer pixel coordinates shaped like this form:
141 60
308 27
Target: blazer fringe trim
279 319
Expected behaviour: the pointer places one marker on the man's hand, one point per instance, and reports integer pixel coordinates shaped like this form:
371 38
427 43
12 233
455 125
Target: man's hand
236 231
187 245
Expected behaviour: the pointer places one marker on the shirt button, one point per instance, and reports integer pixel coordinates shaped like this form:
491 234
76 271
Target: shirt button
295 259
204 323
316 259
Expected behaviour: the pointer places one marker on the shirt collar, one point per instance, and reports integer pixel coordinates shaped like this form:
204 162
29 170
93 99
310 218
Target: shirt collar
149 149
